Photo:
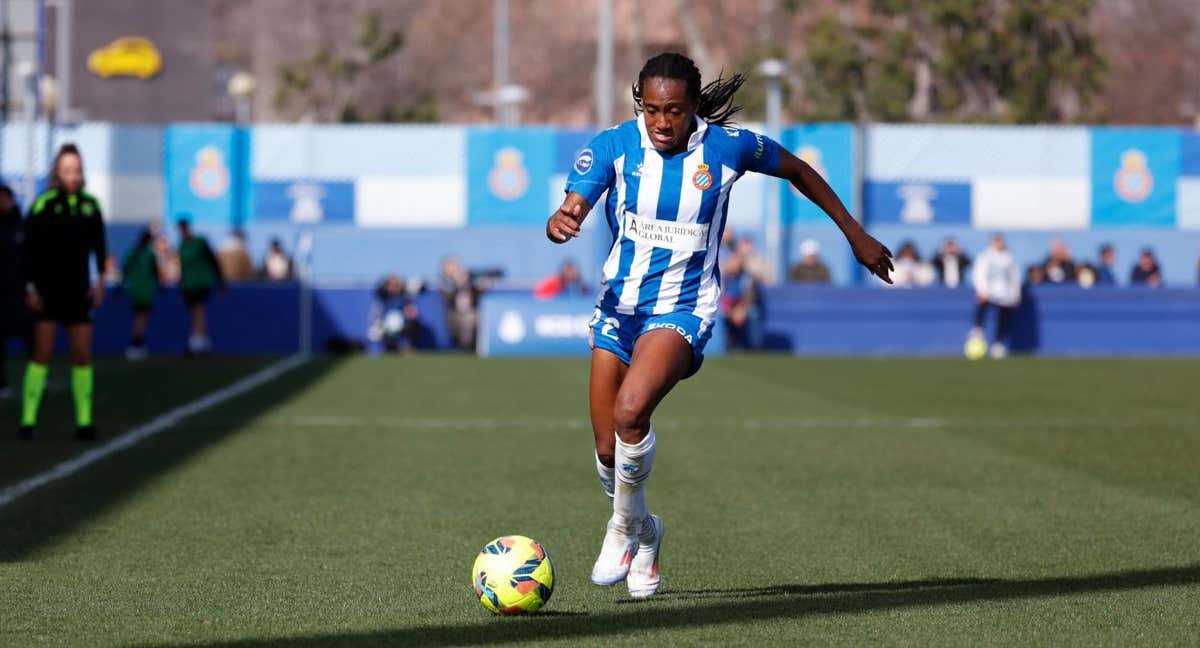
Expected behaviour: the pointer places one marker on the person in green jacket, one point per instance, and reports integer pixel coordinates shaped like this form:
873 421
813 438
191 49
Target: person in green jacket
139 273
199 273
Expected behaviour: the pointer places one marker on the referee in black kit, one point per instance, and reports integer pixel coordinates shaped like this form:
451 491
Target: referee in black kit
63 231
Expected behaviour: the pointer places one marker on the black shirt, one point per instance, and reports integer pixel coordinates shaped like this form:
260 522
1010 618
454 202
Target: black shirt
61 233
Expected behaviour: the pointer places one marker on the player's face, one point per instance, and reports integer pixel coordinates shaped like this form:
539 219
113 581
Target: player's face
70 173
669 113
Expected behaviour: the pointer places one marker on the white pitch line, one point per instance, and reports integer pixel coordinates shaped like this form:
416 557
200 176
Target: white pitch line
148 429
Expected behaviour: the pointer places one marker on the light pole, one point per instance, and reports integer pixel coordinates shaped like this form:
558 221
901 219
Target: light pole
241 88
27 71
773 70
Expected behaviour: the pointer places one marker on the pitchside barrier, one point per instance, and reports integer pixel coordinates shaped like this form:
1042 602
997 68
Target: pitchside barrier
260 318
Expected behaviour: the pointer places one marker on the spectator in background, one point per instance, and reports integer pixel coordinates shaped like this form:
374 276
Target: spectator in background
233 258
167 259
1059 268
1035 275
565 282
461 295
14 318
950 263
1146 272
277 265
997 282
199 273
742 276
910 270
810 269
140 281
394 321
1106 270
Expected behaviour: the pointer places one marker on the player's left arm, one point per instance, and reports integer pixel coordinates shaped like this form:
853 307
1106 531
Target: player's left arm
874 255
99 247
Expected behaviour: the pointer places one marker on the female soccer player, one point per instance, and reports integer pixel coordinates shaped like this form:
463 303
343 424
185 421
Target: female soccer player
63 230
139 277
668 174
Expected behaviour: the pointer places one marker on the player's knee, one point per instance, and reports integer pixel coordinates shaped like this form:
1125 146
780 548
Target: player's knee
631 418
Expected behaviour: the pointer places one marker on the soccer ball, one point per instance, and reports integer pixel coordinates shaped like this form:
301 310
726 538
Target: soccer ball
975 348
513 575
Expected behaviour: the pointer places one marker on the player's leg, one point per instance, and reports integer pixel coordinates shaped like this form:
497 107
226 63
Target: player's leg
197 310
79 335
999 345
36 371
608 371
660 359
137 333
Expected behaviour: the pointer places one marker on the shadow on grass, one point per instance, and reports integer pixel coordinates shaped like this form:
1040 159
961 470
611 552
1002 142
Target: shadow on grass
758 604
42 518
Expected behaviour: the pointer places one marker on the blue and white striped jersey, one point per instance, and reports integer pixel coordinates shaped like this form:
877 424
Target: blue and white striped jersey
666 212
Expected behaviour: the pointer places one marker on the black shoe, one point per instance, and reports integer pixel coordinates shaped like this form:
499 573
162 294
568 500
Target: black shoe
26 433
86 433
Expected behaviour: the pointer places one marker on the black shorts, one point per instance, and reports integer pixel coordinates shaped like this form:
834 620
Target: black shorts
196 296
65 310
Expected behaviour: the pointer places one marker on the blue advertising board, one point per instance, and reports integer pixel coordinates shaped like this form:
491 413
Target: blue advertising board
918 202
206 173
1135 173
507 175
517 324
829 149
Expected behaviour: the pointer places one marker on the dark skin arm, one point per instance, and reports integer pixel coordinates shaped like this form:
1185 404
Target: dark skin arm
564 224
872 254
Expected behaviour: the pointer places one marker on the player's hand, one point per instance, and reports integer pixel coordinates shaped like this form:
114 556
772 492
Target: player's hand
872 254
564 223
97 293
33 300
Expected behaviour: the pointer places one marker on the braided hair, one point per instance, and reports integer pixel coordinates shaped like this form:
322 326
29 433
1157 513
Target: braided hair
715 100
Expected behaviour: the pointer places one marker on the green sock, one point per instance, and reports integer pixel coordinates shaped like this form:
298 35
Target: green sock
81 387
35 384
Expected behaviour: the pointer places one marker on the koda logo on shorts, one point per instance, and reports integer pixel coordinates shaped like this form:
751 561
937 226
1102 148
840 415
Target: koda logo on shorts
654 326
583 163
702 179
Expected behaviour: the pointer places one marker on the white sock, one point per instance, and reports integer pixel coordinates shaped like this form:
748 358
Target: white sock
633 464
606 476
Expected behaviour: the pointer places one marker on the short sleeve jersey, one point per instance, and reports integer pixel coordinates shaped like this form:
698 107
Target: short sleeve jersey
666 212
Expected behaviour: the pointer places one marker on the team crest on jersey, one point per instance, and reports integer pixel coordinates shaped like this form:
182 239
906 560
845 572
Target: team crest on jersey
508 178
702 179
583 163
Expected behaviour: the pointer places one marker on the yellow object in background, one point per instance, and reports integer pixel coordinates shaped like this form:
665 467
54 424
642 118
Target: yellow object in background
127 56
975 348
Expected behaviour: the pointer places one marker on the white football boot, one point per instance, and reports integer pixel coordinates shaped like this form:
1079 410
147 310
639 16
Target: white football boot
616 554
998 350
643 576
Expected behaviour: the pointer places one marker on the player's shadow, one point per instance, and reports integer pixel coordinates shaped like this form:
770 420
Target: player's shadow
686 608
51 514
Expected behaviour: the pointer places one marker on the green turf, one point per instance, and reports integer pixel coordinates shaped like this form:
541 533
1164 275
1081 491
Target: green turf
914 502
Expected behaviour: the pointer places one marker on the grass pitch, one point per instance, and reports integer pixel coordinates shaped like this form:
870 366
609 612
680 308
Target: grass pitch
842 501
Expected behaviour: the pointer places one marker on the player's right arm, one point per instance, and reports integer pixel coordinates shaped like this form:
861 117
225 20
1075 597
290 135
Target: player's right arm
564 224
591 175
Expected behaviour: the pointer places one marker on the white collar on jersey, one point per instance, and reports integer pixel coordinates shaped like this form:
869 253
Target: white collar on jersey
693 141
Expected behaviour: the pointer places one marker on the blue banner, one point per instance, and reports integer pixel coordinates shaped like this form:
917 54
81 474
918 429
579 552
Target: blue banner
1191 154
305 201
508 175
918 203
206 173
828 148
517 324
1135 173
